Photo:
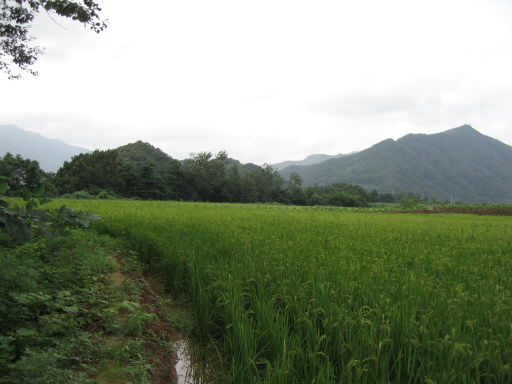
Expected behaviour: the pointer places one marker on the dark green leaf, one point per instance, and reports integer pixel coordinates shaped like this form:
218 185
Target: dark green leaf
39 192
27 195
32 204
18 228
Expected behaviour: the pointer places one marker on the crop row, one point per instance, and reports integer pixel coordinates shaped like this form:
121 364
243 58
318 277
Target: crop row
303 296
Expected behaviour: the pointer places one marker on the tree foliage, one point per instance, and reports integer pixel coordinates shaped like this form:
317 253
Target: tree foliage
92 172
460 162
140 171
16 17
338 194
22 173
139 152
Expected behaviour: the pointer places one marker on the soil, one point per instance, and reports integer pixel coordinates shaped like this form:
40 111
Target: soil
471 211
162 360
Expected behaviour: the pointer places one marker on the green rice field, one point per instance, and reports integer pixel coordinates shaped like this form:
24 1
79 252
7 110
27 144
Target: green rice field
306 295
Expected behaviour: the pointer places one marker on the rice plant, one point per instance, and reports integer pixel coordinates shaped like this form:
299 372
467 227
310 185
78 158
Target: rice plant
324 296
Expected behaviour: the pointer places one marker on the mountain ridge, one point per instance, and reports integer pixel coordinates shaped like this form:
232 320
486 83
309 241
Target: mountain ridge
49 153
459 163
308 160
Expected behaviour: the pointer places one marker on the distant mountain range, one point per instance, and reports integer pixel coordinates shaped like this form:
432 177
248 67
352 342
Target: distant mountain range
310 160
50 153
460 164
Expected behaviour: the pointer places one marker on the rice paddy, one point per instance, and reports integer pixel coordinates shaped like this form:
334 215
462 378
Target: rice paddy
305 295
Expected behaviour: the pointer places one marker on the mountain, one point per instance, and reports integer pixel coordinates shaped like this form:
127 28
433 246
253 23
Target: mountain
243 168
310 160
460 164
139 152
50 153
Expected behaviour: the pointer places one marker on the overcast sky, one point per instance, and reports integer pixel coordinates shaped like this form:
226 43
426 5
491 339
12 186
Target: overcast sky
268 81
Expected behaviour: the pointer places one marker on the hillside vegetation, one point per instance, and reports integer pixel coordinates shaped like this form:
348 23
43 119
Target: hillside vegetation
459 164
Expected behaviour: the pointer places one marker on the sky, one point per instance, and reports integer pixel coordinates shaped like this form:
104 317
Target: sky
268 81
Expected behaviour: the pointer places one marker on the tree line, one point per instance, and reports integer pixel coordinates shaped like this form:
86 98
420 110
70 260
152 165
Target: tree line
140 171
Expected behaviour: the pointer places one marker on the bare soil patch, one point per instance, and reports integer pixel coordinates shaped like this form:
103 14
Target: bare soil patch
470 210
159 337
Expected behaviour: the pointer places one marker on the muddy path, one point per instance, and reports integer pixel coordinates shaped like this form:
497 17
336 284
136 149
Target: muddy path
169 351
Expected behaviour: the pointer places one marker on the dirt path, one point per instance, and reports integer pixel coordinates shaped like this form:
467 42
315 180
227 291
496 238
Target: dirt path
469 210
160 339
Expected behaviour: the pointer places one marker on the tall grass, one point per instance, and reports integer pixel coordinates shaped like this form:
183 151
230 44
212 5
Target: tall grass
304 296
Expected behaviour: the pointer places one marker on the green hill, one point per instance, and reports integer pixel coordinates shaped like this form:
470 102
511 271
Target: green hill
459 164
139 152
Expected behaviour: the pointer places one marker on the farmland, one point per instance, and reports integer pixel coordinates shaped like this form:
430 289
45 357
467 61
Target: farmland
303 295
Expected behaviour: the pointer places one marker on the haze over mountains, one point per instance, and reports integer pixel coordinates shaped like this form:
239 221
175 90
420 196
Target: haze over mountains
310 160
50 153
460 164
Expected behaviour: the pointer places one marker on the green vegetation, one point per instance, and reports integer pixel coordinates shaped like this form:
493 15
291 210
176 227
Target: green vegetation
73 311
303 295
21 221
425 168
460 163
16 18
143 172
22 173
140 152
49 294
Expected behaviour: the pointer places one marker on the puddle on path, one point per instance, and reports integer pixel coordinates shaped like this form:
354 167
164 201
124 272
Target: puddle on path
189 367
185 365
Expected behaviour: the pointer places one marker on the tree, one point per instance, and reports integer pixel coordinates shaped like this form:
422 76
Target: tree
19 173
207 176
374 196
269 183
92 172
295 192
338 194
16 17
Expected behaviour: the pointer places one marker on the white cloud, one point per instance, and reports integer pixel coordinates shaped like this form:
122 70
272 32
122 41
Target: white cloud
270 80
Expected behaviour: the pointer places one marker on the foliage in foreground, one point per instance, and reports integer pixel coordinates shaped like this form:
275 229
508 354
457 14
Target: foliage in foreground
20 222
58 309
309 295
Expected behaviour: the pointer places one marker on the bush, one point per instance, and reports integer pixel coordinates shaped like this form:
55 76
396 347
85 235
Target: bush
42 311
106 195
78 195
408 203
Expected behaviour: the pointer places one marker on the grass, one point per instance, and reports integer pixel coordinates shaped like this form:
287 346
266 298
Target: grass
298 295
71 312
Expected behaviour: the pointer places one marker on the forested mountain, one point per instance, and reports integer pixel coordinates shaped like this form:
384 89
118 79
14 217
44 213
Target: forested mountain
459 164
309 160
49 153
139 152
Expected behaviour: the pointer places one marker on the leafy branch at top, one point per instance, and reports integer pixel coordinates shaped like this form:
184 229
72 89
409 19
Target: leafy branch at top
16 17
20 221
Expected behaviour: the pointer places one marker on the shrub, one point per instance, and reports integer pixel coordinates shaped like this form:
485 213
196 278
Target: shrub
78 195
